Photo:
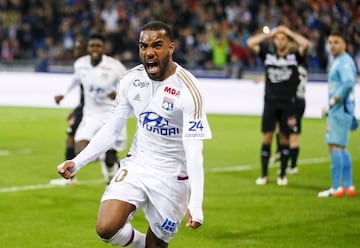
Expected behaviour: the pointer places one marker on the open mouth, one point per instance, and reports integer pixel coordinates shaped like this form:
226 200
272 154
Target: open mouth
152 67
95 55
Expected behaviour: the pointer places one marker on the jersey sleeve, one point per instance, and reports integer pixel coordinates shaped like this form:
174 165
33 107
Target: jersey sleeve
75 80
195 123
347 78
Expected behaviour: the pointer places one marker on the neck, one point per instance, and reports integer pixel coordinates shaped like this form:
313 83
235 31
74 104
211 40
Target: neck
95 62
171 70
283 52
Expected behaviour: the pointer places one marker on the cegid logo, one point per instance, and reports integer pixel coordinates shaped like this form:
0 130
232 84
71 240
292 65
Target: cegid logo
157 124
138 83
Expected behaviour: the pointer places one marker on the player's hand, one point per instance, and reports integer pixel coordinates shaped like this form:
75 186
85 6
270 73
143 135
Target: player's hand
71 118
66 169
190 222
58 98
112 95
258 80
292 122
324 111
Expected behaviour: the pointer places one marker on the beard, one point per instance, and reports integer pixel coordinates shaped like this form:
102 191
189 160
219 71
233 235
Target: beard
164 66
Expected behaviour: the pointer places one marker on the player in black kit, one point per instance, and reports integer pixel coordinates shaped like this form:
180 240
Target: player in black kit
281 83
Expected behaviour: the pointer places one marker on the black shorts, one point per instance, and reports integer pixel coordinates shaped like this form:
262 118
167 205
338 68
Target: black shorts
300 110
283 113
74 120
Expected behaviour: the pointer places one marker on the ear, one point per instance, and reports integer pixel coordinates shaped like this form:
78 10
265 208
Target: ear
171 48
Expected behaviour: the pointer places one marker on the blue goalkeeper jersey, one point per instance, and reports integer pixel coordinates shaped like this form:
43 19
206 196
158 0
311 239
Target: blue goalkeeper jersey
342 78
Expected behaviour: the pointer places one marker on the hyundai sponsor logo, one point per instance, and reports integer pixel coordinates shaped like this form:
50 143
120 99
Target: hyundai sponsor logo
157 124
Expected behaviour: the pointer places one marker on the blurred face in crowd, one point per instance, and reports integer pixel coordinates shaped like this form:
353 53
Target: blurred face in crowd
155 51
96 49
337 45
281 41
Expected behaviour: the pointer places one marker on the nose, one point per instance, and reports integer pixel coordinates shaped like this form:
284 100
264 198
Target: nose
149 52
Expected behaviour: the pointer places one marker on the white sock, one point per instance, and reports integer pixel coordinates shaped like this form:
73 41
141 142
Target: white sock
127 236
139 240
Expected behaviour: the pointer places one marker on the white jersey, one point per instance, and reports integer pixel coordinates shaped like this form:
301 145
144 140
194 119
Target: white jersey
171 124
167 112
98 81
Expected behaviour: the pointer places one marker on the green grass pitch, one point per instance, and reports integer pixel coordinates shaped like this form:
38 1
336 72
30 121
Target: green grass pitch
238 213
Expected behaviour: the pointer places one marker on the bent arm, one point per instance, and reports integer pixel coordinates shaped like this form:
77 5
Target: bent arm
301 41
348 79
254 42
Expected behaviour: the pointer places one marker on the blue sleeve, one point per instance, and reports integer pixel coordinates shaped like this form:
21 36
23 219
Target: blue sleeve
347 79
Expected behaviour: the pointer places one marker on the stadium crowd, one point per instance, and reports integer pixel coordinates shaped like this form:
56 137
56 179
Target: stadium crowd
211 34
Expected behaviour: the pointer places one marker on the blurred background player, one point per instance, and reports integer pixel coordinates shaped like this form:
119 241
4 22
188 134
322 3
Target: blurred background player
74 118
99 75
294 141
342 78
281 83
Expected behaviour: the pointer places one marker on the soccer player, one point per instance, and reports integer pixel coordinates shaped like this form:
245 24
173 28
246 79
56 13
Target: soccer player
281 82
74 118
341 78
99 75
163 174
294 141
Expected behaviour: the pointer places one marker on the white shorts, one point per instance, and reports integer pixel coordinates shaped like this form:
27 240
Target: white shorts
163 199
88 127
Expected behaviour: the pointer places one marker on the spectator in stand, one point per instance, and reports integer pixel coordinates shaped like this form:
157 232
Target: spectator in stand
239 55
219 44
313 19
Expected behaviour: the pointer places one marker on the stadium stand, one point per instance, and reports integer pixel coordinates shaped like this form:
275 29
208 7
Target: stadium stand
39 35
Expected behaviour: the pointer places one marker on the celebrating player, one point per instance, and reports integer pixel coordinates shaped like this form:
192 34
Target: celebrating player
99 76
163 174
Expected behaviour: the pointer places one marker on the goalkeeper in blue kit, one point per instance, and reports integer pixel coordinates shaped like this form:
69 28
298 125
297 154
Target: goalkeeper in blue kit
340 119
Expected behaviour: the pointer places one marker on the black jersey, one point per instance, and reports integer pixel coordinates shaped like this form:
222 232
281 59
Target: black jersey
281 75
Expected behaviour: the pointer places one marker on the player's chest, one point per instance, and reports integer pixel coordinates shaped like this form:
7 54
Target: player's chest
162 98
97 76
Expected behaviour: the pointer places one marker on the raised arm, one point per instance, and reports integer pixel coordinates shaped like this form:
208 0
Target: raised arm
254 42
302 43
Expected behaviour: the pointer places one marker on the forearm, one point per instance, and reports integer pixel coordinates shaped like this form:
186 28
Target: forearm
100 143
301 41
253 42
194 161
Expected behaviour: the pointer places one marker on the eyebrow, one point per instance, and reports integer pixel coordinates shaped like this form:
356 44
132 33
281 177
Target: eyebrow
157 42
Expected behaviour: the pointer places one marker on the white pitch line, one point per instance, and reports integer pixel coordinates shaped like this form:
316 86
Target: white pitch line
208 170
19 151
44 186
252 166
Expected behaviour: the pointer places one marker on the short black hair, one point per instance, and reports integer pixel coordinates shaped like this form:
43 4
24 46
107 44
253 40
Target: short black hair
340 34
159 25
97 36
